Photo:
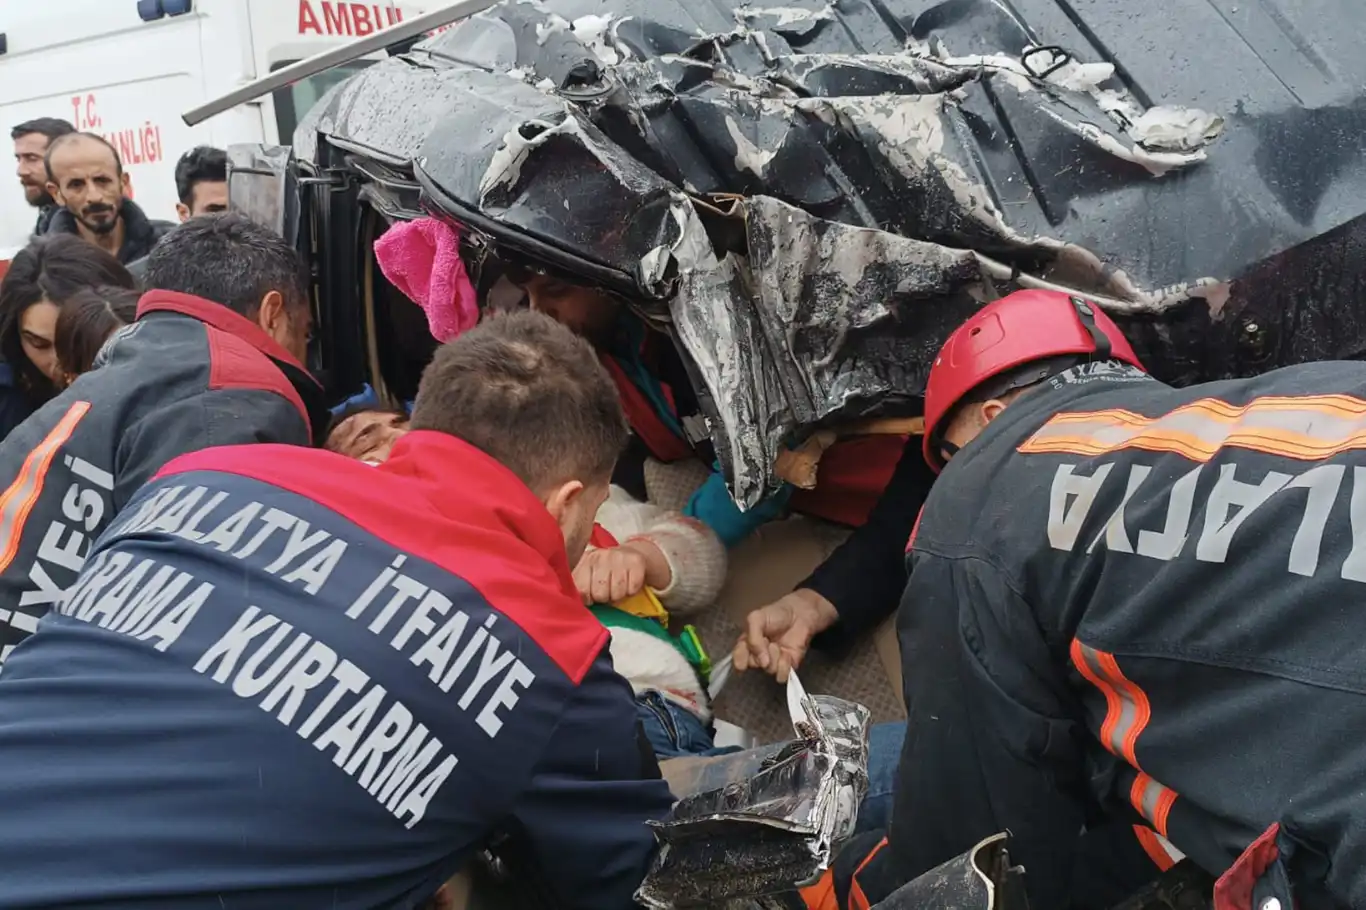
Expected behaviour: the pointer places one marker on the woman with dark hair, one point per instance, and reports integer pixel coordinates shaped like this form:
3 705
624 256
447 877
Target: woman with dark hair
41 277
87 320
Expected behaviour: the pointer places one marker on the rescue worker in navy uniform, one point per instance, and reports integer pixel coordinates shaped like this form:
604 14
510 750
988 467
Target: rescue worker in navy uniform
1132 630
215 358
287 678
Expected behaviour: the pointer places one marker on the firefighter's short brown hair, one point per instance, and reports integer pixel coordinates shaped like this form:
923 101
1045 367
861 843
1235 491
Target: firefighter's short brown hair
530 393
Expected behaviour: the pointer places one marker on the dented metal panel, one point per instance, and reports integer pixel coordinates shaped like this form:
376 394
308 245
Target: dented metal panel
816 192
754 825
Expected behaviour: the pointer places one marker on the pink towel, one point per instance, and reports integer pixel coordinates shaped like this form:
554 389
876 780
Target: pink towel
422 259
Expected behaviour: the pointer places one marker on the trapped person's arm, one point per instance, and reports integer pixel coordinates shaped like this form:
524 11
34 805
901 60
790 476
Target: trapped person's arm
994 744
216 417
683 559
583 817
713 506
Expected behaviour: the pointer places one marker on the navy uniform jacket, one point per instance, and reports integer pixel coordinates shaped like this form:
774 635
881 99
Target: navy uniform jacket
186 375
1138 606
290 679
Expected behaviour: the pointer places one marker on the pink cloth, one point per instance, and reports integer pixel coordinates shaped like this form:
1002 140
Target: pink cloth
422 259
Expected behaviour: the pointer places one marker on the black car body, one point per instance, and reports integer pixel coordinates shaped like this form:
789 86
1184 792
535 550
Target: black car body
811 195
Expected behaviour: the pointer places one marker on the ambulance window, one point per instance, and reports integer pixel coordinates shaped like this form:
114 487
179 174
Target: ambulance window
294 101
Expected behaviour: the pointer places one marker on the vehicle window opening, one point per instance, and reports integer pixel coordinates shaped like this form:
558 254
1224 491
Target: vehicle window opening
400 343
293 101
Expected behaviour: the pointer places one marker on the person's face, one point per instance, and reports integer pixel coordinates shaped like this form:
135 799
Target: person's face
28 157
290 326
574 508
584 311
88 183
206 197
37 328
367 435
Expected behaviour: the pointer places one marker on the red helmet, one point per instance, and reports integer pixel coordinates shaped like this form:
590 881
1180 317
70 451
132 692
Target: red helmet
1018 329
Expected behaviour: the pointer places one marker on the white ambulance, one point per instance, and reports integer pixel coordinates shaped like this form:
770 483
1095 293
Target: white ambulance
127 69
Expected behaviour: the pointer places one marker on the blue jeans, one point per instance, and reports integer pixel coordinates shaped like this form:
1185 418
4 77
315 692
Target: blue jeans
884 755
674 731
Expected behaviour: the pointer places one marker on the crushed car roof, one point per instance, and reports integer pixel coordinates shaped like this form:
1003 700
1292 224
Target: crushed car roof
815 193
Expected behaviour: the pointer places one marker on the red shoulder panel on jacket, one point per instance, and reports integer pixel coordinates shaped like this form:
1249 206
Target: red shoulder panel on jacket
235 364
494 541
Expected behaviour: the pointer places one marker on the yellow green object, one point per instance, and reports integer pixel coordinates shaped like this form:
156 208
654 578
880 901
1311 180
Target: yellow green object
645 604
644 612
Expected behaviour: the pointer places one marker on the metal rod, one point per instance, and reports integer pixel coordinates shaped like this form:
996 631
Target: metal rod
354 50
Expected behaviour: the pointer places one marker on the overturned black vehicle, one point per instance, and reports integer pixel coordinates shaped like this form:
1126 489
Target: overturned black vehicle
811 195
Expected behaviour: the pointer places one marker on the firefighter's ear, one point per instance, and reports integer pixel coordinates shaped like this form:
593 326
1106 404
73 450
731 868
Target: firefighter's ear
271 317
991 409
182 212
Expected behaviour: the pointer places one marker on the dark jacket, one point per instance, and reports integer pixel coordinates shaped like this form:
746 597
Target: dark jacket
865 576
138 269
15 406
140 233
1137 605
45 216
186 375
296 680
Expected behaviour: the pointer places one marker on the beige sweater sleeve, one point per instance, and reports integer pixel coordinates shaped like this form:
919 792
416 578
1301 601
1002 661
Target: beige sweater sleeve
696 556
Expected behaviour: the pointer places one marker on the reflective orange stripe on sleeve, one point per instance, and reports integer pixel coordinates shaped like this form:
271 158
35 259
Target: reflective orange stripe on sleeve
17 502
1158 848
1152 800
1127 713
1307 427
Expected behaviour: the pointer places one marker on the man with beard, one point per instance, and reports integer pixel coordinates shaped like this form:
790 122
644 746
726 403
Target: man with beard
86 178
31 139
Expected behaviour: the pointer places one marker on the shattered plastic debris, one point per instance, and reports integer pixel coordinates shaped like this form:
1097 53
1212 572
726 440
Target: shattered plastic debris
765 821
784 16
594 32
1163 139
700 159
1179 129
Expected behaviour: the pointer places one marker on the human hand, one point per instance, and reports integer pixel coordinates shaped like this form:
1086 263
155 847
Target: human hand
611 574
777 635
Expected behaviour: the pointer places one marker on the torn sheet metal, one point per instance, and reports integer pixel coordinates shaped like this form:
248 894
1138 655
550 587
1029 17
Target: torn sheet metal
830 322
760 823
263 185
1202 177
983 878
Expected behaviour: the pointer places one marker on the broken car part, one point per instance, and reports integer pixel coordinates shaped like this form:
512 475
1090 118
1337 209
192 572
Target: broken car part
814 194
756 825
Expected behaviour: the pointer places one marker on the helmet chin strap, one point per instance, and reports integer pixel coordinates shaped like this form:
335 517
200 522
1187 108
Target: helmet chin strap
1087 315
